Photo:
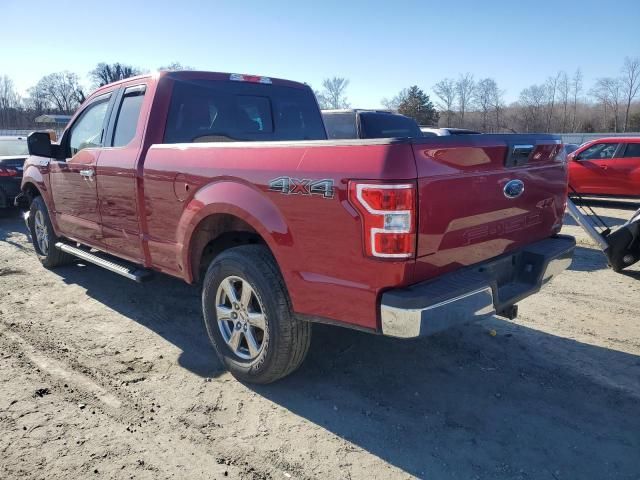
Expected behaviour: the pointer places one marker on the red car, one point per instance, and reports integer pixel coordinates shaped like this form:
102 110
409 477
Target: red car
607 166
229 182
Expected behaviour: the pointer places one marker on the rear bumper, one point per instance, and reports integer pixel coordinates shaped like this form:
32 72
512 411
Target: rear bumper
476 292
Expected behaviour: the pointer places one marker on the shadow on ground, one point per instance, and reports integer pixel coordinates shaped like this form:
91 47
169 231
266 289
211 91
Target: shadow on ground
462 404
588 260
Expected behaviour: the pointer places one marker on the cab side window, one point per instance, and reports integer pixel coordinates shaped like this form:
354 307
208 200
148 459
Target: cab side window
88 131
599 151
128 114
633 150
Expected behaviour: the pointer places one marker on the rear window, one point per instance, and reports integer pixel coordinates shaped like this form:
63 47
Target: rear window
218 111
340 125
388 125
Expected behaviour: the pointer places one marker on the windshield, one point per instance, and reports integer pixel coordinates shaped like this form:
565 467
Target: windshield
387 125
13 146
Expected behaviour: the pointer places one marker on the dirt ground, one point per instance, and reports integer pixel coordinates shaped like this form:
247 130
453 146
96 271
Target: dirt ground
104 378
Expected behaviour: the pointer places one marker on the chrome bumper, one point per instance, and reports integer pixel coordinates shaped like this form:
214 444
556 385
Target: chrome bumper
474 293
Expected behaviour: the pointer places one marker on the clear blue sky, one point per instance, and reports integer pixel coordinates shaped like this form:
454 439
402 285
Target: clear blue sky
381 47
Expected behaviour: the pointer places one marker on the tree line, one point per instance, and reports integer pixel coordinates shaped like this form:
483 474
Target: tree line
58 93
560 104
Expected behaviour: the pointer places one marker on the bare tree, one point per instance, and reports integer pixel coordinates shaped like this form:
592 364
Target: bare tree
106 73
608 91
61 91
533 102
465 88
37 101
486 94
395 102
630 84
497 103
175 66
576 90
445 90
9 101
551 87
333 93
563 94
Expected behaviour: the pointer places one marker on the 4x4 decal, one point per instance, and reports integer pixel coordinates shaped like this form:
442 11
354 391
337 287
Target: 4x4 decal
292 186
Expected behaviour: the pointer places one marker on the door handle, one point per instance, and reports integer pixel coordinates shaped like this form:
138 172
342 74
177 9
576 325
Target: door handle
603 167
88 173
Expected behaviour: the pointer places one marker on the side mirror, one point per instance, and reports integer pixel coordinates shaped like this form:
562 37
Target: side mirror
39 144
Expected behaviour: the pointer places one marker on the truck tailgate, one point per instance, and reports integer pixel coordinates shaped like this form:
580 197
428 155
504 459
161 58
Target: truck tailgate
480 196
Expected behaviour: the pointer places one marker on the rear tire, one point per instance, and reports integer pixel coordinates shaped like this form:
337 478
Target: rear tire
248 316
43 237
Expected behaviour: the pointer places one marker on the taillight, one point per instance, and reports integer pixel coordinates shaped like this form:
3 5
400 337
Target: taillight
388 214
8 172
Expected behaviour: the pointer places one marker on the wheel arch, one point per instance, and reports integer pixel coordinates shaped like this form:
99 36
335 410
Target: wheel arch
226 214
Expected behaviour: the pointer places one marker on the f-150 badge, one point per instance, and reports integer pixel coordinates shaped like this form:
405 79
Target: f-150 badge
293 186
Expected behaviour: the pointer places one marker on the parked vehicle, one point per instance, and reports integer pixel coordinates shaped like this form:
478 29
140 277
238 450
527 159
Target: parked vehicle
178 173
443 132
358 123
13 152
608 166
570 148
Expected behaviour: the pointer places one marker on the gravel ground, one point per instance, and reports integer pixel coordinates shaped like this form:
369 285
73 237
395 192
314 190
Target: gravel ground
104 378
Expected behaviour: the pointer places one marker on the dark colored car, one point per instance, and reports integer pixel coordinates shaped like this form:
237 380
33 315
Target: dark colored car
13 152
570 148
357 123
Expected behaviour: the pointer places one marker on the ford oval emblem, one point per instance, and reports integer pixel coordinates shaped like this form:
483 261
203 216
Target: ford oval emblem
513 189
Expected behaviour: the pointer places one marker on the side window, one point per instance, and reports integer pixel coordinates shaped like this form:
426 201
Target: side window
128 114
88 131
633 150
340 125
599 151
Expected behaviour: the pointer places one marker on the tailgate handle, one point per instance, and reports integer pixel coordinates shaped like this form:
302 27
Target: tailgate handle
519 155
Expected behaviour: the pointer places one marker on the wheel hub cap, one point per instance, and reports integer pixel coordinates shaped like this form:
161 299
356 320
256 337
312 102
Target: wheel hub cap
42 235
240 316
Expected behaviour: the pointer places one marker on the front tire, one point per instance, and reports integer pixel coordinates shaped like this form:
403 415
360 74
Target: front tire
248 316
43 236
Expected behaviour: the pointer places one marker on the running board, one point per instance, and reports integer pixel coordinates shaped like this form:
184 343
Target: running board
134 273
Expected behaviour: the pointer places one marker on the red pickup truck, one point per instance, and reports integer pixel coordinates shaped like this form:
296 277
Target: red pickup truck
228 181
